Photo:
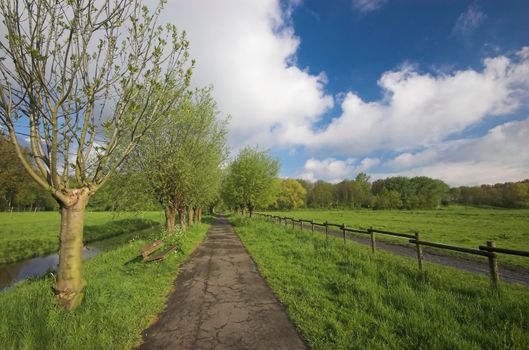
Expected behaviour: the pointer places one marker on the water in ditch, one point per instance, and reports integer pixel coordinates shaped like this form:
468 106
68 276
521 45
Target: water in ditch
10 274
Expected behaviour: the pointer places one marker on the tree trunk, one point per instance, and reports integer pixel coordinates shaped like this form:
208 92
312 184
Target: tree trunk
182 217
197 215
250 210
170 216
190 216
70 284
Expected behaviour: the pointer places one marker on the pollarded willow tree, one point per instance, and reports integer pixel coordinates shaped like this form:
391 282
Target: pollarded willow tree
251 180
84 80
179 160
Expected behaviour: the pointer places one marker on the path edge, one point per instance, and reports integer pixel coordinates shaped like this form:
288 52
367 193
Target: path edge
282 306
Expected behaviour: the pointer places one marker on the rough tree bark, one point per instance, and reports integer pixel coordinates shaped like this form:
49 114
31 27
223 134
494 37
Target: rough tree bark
196 211
182 217
170 218
190 216
70 283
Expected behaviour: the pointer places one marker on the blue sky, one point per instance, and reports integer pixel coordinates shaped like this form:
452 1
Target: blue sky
355 45
437 88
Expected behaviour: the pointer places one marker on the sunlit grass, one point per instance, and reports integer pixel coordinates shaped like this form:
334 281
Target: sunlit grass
458 225
26 235
122 297
342 297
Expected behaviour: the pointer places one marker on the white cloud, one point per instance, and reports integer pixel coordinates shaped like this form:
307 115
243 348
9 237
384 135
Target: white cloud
421 109
368 163
366 6
469 20
246 49
500 155
335 170
409 160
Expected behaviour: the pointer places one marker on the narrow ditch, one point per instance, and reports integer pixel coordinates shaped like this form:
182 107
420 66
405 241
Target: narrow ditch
10 274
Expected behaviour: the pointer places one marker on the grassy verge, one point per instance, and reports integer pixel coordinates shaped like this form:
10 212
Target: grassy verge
341 297
458 225
122 298
26 235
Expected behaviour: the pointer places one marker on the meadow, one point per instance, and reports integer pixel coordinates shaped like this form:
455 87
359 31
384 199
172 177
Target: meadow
342 297
26 235
123 297
457 225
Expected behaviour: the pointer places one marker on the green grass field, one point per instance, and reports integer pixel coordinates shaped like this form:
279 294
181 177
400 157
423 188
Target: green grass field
122 298
25 235
342 297
457 225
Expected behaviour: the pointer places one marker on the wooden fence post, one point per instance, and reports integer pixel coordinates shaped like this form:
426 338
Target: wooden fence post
343 231
326 230
419 251
286 221
301 225
312 225
293 223
373 243
493 265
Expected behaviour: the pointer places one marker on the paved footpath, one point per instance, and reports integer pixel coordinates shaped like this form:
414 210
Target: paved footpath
221 302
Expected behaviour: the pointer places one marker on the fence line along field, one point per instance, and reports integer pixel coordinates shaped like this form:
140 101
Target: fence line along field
341 296
457 225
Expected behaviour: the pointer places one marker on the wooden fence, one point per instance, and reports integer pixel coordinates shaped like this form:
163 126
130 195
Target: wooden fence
490 251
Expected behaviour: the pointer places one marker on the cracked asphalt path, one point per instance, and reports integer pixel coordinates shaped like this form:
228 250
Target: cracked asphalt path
221 301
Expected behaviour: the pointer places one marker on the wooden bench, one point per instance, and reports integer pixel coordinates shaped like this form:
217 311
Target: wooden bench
160 255
148 249
152 252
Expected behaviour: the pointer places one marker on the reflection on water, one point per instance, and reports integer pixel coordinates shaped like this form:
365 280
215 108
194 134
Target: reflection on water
36 267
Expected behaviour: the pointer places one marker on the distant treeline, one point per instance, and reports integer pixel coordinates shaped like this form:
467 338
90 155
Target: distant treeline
507 195
399 192
19 192
391 193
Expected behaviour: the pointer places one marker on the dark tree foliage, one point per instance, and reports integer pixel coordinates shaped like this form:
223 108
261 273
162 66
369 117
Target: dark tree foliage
392 193
506 195
17 190
322 195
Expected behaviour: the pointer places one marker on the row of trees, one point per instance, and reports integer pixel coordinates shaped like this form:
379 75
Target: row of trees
398 193
100 90
391 193
506 195
177 164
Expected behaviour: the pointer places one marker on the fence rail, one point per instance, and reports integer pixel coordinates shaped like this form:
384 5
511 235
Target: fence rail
489 251
505 251
452 247
396 234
